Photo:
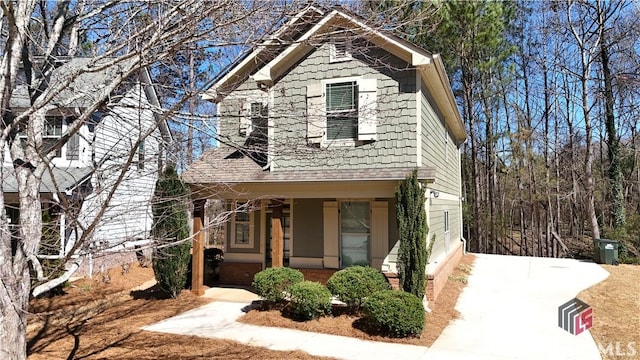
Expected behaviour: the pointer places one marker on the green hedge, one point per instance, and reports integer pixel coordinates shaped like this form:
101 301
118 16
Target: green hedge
396 313
309 300
273 284
353 284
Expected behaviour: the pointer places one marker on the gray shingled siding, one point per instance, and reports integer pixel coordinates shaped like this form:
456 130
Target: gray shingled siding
395 146
308 228
433 148
229 122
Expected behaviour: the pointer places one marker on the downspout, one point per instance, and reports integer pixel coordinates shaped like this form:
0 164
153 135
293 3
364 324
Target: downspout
460 199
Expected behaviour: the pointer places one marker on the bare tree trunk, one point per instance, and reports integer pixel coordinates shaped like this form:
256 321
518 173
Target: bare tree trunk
192 108
467 84
613 142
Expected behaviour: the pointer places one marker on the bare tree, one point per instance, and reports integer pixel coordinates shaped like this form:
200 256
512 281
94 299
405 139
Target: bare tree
121 39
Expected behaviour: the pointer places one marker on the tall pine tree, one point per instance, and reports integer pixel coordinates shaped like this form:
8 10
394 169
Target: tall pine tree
412 234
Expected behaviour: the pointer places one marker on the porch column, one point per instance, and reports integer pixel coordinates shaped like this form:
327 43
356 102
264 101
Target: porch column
277 234
197 249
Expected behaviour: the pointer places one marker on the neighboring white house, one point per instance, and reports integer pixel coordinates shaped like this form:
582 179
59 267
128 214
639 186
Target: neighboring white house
122 143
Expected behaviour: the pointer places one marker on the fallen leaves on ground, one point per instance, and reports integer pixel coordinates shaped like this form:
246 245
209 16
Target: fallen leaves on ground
616 312
97 320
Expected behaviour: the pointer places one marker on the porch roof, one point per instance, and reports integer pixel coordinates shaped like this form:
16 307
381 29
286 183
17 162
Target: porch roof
230 166
65 179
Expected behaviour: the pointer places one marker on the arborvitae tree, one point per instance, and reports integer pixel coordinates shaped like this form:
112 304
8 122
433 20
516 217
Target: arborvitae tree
170 229
412 233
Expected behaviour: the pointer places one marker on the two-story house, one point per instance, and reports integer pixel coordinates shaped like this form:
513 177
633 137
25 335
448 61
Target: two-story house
92 170
317 126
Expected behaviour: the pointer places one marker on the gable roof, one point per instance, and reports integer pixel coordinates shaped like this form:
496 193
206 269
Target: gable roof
85 88
267 70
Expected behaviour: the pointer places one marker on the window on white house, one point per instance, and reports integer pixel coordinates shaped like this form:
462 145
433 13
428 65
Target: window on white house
342 110
354 233
141 155
51 135
73 147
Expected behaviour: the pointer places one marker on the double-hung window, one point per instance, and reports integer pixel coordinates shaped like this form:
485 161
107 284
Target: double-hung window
342 110
241 234
259 120
51 135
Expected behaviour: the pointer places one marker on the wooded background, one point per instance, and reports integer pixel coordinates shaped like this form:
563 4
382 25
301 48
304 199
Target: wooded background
549 94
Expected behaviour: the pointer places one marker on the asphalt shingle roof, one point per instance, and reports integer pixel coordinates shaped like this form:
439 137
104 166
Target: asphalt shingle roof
230 166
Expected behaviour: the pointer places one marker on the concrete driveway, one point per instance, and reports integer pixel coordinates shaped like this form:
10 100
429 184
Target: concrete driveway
509 310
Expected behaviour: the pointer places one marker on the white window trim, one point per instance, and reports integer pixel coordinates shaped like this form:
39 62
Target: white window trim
326 142
232 237
333 53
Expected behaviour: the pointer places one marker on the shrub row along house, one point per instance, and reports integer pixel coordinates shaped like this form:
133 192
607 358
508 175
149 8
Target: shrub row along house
84 171
317 126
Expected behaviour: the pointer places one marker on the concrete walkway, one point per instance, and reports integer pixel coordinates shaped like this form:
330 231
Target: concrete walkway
508 311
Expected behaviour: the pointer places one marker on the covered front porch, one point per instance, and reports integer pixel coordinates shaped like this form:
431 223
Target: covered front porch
317 227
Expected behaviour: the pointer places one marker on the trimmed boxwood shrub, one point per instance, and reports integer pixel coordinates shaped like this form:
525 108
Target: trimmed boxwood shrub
309 300
396 313
272 284
353 284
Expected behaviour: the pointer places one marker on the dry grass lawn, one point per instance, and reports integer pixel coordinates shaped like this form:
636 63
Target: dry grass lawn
346 325
102 321
616 312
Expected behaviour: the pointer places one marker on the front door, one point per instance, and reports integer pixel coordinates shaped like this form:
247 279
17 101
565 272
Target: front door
286 231
355 230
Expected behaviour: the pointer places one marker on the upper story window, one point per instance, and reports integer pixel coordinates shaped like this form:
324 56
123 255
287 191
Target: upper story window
141 155
52 133
54 127
259 120
342 110
340 50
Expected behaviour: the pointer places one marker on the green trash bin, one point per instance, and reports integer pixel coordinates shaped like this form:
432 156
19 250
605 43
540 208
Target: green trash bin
605 251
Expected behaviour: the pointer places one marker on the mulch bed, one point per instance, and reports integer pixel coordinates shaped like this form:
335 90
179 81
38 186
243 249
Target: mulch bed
443 311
